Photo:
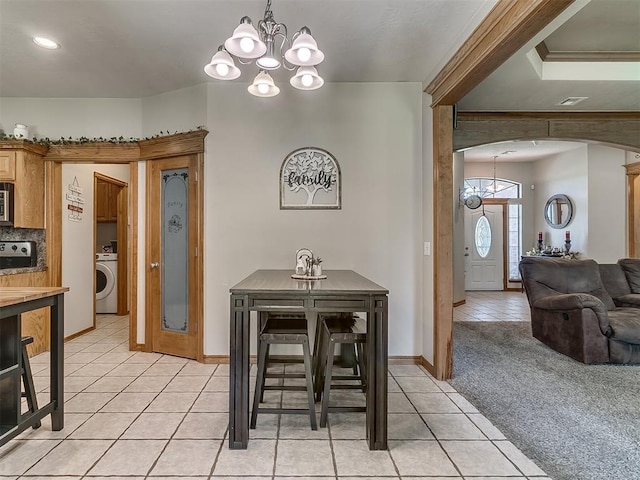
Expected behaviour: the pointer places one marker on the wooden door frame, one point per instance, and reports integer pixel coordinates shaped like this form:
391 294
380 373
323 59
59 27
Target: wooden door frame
130 153
163 148
503 202
121 237
633 209
153 224
506 29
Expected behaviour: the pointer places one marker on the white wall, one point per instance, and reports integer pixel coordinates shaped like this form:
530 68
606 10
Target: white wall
428 326
374 130
78 250
375 133
594 178
565 173
179 111
72 117
607 179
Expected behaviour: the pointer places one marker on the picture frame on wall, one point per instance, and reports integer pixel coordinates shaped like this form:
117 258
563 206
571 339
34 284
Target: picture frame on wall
310 178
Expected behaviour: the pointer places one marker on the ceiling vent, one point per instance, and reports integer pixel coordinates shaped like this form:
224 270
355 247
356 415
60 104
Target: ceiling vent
570 101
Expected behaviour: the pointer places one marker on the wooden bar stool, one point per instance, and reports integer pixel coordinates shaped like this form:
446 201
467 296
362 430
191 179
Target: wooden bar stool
272 359
27 379
283 331
340 330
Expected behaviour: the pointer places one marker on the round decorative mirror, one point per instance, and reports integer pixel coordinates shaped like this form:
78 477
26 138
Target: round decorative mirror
558 211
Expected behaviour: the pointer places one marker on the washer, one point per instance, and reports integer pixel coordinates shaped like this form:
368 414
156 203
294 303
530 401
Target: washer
106 282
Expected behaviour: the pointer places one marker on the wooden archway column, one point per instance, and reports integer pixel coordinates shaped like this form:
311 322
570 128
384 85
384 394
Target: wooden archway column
633 209
507 28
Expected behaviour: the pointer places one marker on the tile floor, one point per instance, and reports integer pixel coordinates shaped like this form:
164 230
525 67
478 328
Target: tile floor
487 306
141 415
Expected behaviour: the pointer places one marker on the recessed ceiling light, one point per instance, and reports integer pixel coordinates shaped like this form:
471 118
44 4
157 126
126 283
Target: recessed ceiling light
45 43
567 102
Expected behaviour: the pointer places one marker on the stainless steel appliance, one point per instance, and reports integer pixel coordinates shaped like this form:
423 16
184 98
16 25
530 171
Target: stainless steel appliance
6 204
18 254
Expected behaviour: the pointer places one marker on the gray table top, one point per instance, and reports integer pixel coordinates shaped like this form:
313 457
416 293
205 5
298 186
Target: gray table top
280 281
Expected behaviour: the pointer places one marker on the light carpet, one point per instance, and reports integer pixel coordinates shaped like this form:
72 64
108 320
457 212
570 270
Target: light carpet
575 421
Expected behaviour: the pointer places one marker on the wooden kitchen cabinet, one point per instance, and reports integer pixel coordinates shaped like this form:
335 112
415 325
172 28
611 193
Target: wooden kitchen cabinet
106 201
7 166
21 163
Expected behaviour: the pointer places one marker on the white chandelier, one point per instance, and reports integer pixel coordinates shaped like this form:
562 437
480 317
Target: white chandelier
267 46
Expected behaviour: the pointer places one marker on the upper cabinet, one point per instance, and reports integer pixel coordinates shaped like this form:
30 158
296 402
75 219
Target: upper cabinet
21 164
106 201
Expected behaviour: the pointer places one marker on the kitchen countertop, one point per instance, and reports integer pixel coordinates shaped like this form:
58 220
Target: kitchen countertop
15 295
14 271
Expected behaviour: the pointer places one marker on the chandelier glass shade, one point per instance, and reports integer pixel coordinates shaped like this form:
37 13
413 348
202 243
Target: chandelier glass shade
263 86
271 48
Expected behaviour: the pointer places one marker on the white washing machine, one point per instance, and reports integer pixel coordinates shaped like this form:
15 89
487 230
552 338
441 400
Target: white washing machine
106 282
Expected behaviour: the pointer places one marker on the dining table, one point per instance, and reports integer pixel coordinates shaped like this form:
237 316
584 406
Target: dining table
277 291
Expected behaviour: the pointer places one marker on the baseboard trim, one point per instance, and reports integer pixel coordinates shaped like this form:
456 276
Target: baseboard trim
461 302
215 359
139 347
430 368
404 360
77 334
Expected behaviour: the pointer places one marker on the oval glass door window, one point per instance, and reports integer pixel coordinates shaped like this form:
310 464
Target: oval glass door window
483 237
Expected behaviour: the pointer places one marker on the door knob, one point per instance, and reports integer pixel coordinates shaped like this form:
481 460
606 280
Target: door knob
154 265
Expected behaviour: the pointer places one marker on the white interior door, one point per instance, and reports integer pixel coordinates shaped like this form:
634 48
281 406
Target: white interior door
483 230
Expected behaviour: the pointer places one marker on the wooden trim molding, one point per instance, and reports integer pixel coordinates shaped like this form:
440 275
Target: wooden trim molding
173 145
428 367
633 168
53 221
222 359
459 303
79 334
25 145
617 129
95 153
133 262
508 27
547 55
633 209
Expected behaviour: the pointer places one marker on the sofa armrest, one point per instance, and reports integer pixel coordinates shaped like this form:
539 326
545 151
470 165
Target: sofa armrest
630 300
577 301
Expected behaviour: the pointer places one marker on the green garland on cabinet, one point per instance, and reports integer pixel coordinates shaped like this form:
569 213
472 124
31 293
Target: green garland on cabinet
82 140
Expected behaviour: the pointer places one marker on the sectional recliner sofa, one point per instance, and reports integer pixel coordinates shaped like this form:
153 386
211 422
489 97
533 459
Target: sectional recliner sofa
587 311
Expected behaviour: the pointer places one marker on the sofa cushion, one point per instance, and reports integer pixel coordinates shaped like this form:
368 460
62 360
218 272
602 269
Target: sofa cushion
614 280
625 325
550 276
631 268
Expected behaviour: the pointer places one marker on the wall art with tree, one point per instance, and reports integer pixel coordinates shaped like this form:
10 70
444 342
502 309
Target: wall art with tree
310 179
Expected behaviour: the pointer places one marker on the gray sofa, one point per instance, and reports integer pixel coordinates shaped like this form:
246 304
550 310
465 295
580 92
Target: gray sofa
622 281
578 314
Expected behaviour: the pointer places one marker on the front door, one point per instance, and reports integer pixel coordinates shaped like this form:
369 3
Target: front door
484 248
172 240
